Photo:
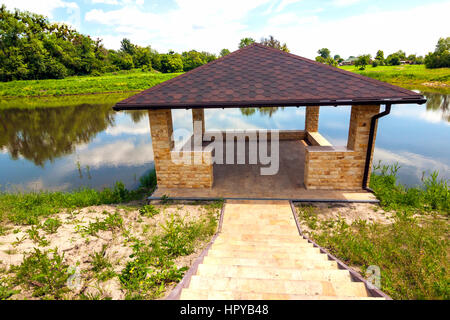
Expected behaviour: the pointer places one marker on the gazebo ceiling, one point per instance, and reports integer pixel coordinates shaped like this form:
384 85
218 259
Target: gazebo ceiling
258 76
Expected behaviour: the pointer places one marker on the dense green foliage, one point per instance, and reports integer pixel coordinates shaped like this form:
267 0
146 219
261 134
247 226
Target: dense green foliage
31 47
440 58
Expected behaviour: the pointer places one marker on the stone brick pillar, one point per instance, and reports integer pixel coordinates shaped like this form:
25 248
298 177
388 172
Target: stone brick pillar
358 134
174 168
312 119
199 115
161 131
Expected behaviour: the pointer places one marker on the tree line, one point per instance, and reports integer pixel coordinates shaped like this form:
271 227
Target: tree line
31 47
440 58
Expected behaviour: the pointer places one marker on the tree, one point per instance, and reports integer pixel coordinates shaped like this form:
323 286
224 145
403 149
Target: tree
440 58
324 53
127 47
393 59
246 42
274 43
171 62
362 61
224 52
338 58
380 57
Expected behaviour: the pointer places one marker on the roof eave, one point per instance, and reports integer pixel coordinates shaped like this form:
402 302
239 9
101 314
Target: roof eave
340 102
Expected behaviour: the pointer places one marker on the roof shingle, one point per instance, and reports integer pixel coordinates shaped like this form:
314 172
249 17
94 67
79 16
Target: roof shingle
261 76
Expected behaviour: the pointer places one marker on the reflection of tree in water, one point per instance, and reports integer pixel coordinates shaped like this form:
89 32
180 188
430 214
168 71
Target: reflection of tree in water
48 133
437 101
136 115
263 110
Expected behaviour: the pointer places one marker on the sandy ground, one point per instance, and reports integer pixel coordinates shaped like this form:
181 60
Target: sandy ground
350 212
78 246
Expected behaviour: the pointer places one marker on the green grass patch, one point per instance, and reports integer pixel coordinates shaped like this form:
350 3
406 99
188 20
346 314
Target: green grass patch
409 76
432 195
124 81
29 208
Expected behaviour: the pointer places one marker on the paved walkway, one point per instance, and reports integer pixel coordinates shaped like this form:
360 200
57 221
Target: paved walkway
260 255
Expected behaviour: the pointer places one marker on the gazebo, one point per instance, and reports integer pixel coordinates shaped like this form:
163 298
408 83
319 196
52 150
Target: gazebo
310 168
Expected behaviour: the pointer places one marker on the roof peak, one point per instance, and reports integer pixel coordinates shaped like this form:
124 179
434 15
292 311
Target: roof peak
259 75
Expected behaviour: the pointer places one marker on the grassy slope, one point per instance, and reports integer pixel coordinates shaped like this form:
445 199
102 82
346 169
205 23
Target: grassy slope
409 76
134 80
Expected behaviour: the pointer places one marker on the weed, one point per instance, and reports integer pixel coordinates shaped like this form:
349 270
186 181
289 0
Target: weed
45 273
149 211
112 222
34 235
51 225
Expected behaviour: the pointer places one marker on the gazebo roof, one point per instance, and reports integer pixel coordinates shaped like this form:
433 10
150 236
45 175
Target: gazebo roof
258 76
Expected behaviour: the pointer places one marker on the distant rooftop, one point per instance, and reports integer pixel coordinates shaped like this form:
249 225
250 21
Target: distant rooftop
258 76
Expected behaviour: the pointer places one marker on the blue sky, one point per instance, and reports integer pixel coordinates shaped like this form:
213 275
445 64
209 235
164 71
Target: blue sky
346 27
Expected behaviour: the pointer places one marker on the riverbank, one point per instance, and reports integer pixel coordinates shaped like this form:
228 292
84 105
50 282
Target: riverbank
412 77
119 85
111 245
115 82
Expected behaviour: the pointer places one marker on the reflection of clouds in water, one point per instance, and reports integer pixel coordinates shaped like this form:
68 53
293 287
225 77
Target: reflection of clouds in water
122 152
218 119
38 185
140 128
417 162
432 116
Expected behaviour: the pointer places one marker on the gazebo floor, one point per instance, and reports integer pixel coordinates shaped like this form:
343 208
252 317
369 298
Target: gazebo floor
244 181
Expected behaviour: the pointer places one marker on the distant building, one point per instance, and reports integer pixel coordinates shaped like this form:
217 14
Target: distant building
348 62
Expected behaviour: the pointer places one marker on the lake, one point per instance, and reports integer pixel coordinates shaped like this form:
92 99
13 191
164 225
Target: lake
88 144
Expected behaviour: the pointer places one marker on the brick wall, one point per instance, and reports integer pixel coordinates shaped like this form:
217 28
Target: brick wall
195 171
341 168
312 119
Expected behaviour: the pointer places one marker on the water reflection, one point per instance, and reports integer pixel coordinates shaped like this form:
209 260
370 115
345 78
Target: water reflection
40 148
439 102
45 134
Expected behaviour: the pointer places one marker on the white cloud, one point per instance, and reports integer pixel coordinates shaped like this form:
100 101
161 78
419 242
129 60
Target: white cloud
221 24
284 3
368 32
44 7
344 3
194 24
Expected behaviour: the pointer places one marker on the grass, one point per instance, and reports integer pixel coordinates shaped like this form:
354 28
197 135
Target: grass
409 76
411 251
29 208
122 81
432 195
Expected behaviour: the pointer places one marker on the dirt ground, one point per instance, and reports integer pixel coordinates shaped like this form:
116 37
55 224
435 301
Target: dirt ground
78 246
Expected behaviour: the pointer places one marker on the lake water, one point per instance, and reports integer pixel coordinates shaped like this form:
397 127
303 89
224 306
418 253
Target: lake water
64 148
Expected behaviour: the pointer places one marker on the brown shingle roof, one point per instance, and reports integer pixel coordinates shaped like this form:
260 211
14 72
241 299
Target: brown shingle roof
261 76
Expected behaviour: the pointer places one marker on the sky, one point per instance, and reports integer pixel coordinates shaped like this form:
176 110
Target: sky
346 27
